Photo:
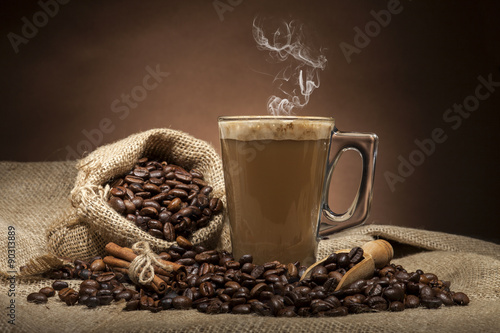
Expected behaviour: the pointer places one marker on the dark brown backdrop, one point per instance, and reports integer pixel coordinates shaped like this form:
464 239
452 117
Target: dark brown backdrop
66 71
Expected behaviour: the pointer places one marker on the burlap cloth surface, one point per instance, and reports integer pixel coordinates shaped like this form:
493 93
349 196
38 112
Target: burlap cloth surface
33 195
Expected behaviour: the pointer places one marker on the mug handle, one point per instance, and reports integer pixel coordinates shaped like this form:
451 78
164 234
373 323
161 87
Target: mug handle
366 145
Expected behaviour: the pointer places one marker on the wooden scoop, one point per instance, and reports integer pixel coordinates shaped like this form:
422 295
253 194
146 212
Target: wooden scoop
377 254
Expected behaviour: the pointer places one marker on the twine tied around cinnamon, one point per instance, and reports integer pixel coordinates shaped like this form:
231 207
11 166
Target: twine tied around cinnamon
141 270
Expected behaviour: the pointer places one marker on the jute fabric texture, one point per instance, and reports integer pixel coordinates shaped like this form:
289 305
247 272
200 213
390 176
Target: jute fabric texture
34 196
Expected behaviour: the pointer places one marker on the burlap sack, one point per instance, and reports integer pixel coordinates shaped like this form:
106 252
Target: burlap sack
85 231
30 193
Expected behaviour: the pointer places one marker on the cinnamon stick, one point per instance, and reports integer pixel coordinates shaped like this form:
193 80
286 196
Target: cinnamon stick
123 256
128 254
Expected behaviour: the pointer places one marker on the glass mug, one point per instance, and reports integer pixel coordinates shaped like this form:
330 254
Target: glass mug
277 172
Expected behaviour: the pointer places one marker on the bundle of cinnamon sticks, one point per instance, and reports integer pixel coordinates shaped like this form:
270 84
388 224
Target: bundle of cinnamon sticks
164 280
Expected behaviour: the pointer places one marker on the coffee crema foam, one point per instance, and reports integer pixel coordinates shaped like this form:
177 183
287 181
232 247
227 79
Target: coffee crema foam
276 129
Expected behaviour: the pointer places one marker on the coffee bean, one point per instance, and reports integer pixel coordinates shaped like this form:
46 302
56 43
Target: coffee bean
257 271
37 298
412 301
47 291
68 295
181 303
355 255
169 232
216 205
199 182
59 285
149 211
242 309
156 233
426 292
87 291
394 293
445 298
396 306
134 179
90 283
151 203
92 302
431 302
98 265
132 305
460 298
343 260
117 204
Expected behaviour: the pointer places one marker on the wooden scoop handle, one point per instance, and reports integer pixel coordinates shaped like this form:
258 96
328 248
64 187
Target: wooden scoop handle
380 250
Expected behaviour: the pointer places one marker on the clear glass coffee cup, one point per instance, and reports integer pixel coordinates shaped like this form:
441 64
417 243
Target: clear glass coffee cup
277 172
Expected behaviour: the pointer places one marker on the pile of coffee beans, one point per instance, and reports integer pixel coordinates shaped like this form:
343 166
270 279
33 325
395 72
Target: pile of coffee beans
164 199
217 283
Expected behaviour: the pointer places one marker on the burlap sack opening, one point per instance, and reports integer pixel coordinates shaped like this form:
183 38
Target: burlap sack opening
93 223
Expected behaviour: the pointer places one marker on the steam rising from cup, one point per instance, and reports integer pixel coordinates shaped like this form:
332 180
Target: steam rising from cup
298 79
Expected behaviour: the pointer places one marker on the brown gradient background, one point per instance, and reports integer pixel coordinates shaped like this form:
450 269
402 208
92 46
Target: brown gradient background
64 80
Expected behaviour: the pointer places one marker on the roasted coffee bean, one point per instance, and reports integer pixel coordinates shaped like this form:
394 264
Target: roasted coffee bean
125 294
242 309
149 212
156 233
92 302
87 291
276 303
47 291
287 312
184 243
59 285
182 303
37 298
155 224
117 204
178 193
140 172
105 277
151 203
337 312
132 305
343 260
445 298
90 283
355 255
377 303
68 295
412 301
396 306
98 265
431 302
394 293
460 298
129 207
199 182
134 179
426 292
216 205
169 232
257 271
